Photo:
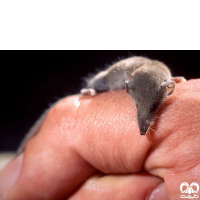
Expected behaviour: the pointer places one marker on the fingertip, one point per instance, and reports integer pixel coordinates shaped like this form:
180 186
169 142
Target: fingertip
9 175
158 193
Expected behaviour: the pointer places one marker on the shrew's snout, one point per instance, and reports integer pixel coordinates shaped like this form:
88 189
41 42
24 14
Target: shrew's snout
143 130
143 125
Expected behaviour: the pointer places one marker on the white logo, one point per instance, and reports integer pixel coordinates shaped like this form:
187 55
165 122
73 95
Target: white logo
190 190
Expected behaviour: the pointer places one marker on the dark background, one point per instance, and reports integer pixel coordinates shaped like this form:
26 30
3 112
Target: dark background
32 80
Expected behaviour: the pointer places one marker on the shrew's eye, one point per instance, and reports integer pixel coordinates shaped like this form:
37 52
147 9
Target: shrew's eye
129 85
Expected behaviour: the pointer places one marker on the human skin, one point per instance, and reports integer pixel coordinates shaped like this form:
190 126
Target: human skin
90 148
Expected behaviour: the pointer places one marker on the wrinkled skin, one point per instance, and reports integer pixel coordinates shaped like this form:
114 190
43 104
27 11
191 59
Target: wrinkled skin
90 148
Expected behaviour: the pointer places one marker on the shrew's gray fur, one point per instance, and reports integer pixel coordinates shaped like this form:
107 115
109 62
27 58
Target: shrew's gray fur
148 82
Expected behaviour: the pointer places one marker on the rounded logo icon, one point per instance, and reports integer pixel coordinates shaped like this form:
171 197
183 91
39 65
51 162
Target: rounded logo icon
189 189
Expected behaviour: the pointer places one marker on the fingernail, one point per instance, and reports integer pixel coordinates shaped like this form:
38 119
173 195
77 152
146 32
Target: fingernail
158 193
9 175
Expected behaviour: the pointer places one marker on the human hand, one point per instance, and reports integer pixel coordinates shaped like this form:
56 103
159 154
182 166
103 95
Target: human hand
90 148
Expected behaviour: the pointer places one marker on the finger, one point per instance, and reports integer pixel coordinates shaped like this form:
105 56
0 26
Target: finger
42 177
58 154
118 187
174 155
75 140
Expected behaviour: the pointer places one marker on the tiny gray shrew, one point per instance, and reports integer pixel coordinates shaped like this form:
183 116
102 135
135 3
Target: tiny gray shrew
148 82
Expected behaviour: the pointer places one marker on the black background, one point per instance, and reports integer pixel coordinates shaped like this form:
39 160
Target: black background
32 80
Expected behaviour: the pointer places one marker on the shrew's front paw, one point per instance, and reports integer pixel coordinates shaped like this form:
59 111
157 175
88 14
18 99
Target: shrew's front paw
88 91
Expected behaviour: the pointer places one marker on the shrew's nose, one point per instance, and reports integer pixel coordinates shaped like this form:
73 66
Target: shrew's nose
143 131
143 127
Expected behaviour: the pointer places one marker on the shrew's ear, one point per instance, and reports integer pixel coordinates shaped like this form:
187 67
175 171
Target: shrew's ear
169 86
